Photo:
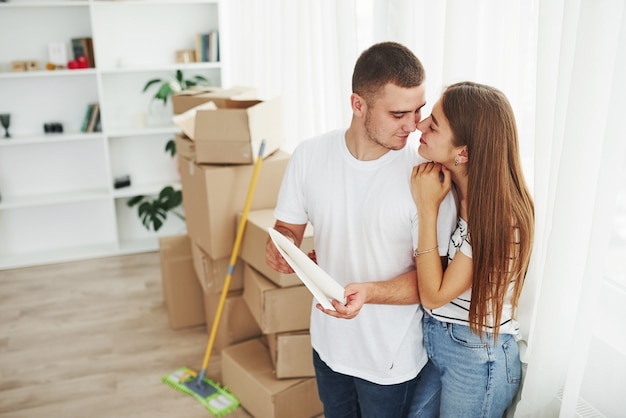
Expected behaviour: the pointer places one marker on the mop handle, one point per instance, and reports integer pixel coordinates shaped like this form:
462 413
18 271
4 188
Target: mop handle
233 257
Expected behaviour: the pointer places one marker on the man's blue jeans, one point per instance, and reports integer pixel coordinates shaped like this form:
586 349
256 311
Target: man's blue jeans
346 396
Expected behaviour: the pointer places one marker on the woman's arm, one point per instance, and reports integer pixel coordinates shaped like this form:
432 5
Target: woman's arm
436 287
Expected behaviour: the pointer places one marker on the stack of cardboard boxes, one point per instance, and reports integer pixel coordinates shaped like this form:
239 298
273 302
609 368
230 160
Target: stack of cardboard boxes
263 331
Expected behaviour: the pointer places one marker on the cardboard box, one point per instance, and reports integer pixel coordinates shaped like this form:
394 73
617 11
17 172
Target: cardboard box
230 131
187 99
212 273
185 146
253 246
291 354
181 291
236 323
276 309
213 195
248 373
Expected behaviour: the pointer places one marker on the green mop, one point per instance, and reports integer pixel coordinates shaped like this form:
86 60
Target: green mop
218 400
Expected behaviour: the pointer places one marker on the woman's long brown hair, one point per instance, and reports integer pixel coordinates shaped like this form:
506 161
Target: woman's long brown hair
500 207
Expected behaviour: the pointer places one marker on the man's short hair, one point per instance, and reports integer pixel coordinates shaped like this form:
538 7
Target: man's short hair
383 63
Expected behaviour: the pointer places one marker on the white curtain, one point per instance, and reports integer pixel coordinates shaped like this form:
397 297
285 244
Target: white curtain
579 155
562 65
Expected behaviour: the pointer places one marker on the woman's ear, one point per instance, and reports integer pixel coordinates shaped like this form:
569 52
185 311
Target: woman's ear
462 156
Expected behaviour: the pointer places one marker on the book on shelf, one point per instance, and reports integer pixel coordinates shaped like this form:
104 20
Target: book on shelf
93 117
207 47
83 127
213 52
83 47
200 48
91 121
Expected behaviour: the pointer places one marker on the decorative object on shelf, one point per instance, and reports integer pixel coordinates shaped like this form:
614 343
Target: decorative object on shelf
53 127
57 54
153 213
18 66
178 83
120 182
29 65
83 53
185 55
5 120
32 65
79 63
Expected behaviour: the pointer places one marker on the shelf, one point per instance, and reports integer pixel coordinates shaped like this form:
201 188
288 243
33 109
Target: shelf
152 2
50 138
135 132
143 190
15 202
45 73
57 200
162 67
39 4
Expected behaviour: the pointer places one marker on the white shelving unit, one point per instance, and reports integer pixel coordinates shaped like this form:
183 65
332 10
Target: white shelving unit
57 200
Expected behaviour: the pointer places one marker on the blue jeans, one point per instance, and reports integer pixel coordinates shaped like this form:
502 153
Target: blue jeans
479 378
346 396
427 395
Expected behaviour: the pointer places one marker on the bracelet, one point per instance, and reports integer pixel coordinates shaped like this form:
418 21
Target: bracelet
418 253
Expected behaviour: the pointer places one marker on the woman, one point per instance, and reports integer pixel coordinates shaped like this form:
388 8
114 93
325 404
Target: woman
469 328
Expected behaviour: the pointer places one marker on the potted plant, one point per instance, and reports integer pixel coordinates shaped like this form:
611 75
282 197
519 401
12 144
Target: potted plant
168 87
153 211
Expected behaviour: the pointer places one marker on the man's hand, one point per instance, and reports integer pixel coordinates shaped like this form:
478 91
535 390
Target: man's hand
274 259
356 295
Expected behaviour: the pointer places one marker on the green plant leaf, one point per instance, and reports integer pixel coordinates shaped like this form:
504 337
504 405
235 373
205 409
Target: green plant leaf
134 200
201 79
153 213
169 198
164 92
170 147
150 83
179 76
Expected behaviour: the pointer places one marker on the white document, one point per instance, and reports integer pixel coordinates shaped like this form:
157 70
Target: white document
323 287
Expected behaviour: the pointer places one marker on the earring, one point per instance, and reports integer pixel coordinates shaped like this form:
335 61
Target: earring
456 161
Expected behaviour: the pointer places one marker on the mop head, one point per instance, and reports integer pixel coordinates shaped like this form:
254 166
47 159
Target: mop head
216 399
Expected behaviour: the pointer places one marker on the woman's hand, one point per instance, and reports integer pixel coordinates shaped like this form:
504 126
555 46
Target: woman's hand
430 182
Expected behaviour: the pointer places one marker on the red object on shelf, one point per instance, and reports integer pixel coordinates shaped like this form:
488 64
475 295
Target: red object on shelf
82 62
72 65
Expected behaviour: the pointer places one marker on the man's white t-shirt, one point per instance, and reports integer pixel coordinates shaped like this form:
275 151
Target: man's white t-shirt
365 228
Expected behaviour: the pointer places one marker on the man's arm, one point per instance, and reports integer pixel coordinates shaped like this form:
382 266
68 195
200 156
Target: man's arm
401 290
294 232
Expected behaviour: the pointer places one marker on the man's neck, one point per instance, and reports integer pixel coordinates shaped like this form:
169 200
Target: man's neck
362 148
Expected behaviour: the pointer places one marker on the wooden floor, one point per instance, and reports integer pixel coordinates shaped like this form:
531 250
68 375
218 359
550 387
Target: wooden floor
92 339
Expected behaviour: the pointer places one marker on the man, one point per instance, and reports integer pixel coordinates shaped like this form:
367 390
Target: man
353 186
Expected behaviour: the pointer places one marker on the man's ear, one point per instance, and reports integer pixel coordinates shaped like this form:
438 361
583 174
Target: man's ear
357 103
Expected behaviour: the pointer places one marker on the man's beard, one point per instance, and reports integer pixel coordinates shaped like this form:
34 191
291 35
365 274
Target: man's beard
373 136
